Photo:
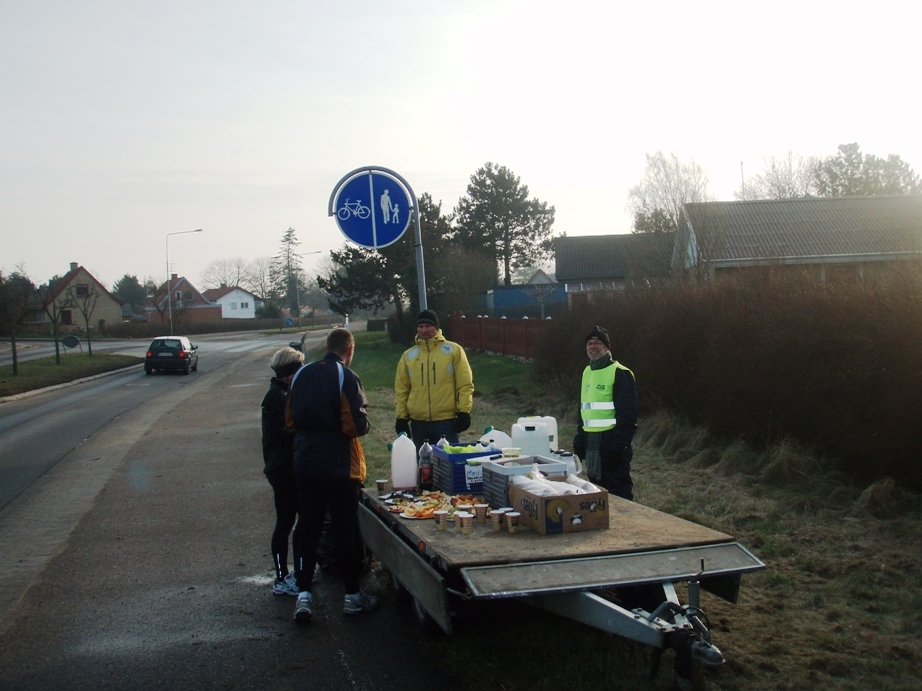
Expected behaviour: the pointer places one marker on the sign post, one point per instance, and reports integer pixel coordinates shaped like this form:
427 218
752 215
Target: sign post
373 207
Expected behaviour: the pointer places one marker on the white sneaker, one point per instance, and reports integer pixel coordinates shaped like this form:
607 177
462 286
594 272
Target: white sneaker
303 611
360 602
286 586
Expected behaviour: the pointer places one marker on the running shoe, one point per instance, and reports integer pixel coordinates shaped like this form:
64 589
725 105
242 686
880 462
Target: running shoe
286 586
303 611
360 602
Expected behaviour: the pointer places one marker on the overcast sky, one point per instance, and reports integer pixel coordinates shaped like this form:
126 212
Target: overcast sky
123 121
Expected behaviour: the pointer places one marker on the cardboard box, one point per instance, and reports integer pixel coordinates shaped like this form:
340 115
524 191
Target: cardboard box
568 514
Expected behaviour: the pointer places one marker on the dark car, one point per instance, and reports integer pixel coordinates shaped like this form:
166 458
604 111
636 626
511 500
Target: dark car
171 353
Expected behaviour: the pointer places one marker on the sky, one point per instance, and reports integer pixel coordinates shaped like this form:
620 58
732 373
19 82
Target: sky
122 122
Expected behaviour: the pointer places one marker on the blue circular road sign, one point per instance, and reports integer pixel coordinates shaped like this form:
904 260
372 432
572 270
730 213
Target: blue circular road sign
289 321
372 207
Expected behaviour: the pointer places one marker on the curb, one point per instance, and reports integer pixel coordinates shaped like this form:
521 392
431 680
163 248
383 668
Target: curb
36 392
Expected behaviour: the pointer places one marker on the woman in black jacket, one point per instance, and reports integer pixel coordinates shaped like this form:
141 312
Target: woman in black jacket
278 454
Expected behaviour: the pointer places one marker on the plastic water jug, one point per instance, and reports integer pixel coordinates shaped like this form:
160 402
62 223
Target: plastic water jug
532 439
549 422
501 439
403 463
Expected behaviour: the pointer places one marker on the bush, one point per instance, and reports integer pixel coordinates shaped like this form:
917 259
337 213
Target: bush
376 325
835 367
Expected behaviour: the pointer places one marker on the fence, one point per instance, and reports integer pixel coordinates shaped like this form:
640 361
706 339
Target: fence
506 336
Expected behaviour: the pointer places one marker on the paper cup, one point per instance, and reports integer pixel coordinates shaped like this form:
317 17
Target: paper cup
496 518
512 521
467 524
480 510
441 519
459 520
467 508
382 487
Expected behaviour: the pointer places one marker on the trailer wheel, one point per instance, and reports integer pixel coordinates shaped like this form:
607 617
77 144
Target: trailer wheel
401 594
423 618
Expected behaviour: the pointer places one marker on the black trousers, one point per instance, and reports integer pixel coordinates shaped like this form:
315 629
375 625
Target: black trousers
285 491
315 496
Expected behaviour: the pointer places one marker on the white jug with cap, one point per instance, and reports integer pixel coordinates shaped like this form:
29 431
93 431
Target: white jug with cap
403 463
498 437
531 438
549 422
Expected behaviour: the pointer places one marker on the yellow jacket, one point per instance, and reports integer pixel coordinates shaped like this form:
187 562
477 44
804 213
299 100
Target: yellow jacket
434 381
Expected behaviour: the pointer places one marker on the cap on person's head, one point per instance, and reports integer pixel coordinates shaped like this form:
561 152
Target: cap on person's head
428 317
286 361
601 334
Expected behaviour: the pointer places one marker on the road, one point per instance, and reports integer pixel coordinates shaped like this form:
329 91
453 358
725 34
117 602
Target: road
139 556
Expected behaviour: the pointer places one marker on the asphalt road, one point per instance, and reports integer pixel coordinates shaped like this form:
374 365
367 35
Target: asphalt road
140 558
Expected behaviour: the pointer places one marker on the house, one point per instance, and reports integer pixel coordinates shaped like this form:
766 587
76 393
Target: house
236 303
835 236
80 300
612 262
185 303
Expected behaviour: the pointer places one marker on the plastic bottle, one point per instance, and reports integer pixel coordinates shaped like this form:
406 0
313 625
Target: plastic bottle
442 443
425 466
403 463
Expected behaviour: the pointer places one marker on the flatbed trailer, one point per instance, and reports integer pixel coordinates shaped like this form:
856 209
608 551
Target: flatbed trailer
641 557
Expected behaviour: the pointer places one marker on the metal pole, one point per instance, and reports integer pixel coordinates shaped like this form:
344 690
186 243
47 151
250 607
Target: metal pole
169 291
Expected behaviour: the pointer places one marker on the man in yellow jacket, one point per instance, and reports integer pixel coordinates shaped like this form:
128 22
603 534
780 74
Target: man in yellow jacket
434 386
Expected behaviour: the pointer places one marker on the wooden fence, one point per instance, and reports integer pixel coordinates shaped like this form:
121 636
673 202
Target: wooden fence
505 336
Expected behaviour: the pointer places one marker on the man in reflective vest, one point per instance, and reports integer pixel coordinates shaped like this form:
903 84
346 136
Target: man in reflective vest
608 417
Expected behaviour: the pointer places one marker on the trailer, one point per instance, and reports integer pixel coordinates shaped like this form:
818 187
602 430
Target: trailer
640 558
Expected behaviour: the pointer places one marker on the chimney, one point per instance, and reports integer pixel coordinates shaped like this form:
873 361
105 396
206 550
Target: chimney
175 276
73 266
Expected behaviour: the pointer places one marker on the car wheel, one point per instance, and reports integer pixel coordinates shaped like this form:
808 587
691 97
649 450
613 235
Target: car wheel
195 366
148 370
187 370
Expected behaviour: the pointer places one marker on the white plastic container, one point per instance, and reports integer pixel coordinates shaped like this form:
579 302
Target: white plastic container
549 422
403 463
500 438
531 438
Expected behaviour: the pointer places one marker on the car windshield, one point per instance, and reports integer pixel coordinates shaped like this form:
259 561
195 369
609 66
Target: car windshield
174 343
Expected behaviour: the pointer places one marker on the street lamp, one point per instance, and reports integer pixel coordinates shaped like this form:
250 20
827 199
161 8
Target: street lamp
169 291
298 283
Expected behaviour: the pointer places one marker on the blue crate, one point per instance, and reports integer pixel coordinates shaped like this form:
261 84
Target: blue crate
452 474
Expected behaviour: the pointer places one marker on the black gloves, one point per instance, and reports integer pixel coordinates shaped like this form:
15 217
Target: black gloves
462 422
402 425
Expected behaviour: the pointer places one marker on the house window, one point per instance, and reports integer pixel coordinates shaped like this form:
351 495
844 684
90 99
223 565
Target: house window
244 305
233 305
83 290
66 317
178 296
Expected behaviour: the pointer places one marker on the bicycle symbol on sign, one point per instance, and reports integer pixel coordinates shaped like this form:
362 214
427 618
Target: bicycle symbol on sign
355 208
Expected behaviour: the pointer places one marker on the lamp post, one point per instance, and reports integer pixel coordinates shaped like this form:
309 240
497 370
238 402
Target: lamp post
298 283
169 291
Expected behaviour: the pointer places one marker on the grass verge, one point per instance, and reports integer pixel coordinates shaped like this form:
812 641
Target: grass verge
41 373
839 606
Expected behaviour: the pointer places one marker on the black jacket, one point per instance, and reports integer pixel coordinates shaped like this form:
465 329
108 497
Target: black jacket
329 416
278 440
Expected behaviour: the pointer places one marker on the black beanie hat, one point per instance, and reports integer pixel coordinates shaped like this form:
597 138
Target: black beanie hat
601 334
428 317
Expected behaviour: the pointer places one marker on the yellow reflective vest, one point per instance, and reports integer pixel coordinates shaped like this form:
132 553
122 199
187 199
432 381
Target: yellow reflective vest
597 405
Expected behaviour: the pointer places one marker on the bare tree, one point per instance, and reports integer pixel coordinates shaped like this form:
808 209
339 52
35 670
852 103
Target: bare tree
83 297
53 310
789 176
258 280
16 292
227 272
667 184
